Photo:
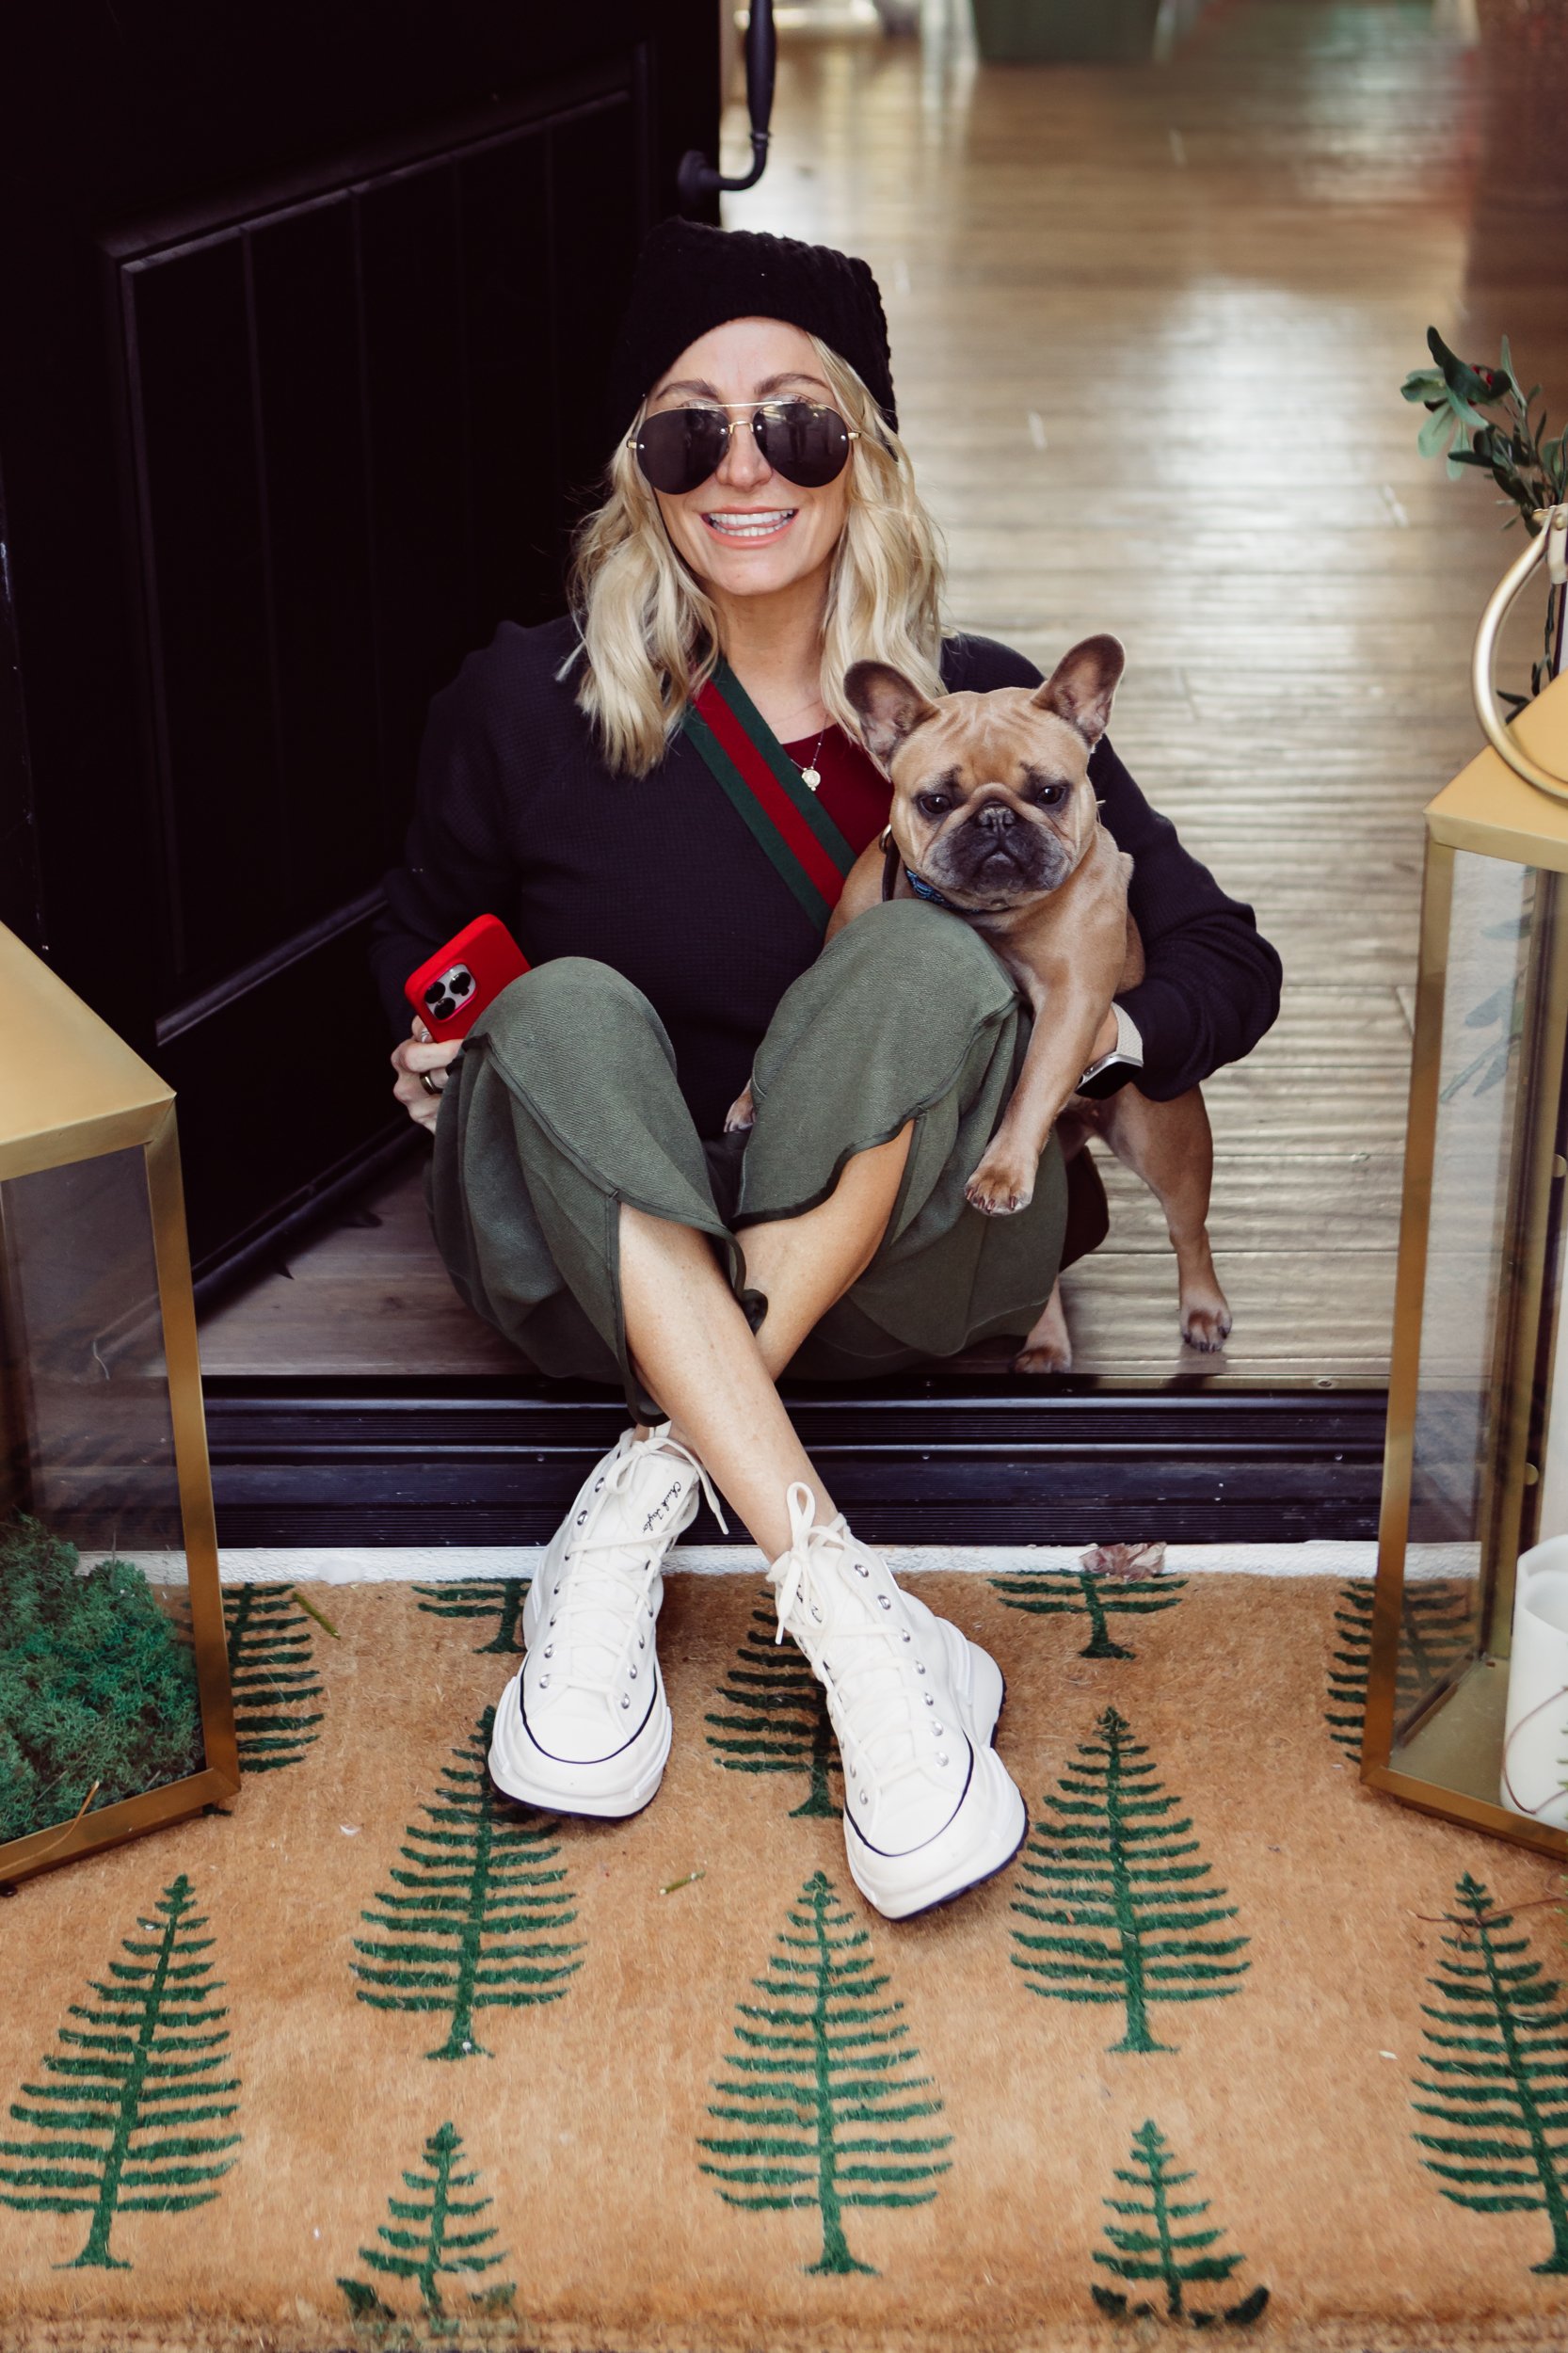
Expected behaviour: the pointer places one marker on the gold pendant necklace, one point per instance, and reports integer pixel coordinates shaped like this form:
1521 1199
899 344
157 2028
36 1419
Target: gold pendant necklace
810 775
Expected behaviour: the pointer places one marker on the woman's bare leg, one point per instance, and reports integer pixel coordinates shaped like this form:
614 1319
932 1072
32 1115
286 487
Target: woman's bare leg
695 1353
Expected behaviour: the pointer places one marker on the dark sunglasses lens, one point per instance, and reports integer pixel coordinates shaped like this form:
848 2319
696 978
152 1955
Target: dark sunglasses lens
808 445
680 447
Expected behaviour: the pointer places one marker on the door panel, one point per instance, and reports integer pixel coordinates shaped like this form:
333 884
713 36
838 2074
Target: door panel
504 196
207 610
326 788
593 175
291 447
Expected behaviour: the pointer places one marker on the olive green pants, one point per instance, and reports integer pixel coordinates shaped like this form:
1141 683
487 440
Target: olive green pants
563 1104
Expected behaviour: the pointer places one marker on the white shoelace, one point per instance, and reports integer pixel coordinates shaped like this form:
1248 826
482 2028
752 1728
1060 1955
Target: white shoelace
610 1588
863 1661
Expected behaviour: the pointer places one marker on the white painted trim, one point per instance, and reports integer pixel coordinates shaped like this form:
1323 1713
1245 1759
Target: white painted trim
441 1564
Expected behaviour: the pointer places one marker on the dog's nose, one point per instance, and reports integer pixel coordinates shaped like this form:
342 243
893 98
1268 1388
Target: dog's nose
997 816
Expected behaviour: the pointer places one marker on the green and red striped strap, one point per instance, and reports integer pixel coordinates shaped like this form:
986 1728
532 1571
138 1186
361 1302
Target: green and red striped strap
744 756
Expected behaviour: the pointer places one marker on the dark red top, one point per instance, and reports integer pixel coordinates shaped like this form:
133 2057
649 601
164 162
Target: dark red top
855 792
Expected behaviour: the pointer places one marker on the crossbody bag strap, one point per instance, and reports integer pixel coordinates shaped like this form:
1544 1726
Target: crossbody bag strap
764 785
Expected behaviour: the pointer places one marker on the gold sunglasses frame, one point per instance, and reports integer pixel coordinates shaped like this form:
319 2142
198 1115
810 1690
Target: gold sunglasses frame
723 408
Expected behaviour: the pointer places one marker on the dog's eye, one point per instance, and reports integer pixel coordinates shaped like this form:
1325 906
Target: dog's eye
932 804
1049 795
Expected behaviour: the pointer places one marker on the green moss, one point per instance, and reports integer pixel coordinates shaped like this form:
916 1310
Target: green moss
95 1684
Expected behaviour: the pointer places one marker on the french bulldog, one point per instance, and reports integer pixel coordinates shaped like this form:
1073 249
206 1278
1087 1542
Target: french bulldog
994 812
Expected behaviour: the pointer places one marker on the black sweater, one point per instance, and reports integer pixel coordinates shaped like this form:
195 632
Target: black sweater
517 815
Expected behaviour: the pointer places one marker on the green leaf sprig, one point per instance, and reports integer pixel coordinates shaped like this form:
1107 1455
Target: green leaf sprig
1511 445
1480 417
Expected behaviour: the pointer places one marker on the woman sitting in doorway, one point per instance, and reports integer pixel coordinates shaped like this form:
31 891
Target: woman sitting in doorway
660 794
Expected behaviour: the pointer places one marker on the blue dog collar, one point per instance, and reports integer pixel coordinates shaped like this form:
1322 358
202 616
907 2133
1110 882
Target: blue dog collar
923 891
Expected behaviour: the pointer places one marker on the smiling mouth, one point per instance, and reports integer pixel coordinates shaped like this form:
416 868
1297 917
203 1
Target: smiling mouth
760 523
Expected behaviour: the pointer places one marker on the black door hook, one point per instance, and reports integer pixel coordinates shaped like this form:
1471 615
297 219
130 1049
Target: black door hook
697 177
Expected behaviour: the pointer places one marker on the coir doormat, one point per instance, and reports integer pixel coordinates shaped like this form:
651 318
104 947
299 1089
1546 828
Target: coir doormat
376 2060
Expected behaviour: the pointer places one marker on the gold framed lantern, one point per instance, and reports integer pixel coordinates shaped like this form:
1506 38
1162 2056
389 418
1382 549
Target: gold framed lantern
1467 1698
115 1709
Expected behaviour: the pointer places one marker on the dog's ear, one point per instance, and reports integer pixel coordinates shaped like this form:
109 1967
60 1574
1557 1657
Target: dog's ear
888 705
1079 688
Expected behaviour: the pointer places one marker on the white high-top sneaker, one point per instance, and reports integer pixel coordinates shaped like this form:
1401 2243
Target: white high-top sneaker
583 1726
929 1808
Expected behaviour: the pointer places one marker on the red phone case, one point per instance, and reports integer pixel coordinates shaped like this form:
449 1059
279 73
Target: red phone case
450 989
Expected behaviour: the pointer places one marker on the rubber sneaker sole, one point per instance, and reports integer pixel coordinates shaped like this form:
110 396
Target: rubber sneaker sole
983 1835
606 1790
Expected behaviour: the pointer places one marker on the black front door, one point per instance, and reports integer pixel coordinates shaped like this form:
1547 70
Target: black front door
304 314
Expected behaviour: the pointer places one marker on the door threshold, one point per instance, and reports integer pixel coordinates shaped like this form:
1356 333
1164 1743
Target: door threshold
928 1458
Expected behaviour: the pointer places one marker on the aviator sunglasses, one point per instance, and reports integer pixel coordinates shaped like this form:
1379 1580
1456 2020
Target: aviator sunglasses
678 449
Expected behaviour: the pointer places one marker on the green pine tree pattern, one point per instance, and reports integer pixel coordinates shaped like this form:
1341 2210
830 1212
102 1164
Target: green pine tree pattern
120 2125
1496 2076
1098 1598
421 2243
272 1676
499 1599
779 1722
1437 1633
819 2084
1114 1882
1153 2243
471 1924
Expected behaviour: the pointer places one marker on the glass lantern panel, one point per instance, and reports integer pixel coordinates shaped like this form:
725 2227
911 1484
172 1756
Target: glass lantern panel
97 1674
1475 1175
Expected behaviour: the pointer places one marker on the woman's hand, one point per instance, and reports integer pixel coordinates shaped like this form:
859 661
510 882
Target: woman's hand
415 1054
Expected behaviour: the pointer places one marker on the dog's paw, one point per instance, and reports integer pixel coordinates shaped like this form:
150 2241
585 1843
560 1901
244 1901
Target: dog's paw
1206 1327
742 1114
1002 1184
1048 1344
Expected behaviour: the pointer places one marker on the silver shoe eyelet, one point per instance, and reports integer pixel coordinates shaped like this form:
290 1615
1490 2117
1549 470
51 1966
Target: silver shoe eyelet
882 1601
920 1663
930 1698
937 1730
860 1569
634 1673
906 1636
626 1701
550 1650
544 1682
865 1797
942 1760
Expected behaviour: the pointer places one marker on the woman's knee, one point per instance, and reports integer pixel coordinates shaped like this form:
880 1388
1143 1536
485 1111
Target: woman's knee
569 996
925 954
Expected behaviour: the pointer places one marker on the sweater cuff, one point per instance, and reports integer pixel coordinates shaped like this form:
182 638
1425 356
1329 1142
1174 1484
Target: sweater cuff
1164 1021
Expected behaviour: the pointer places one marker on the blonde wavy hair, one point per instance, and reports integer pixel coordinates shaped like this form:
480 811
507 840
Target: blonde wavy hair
650 636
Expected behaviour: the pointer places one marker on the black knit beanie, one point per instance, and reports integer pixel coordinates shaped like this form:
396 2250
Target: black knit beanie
690 278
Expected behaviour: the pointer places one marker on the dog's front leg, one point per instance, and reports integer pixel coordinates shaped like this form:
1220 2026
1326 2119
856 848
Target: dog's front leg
1066 1021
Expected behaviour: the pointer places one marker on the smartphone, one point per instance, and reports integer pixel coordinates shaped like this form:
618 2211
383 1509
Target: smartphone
450 989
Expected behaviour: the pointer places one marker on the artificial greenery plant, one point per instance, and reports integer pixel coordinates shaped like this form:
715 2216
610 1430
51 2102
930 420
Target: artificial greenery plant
96 1684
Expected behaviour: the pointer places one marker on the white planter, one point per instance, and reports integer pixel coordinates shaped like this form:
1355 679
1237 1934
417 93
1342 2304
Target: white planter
1535 1747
